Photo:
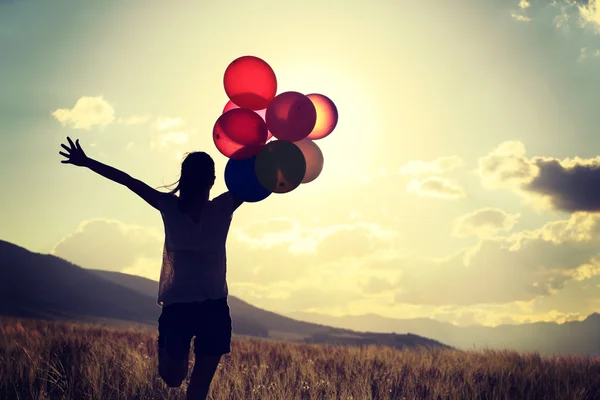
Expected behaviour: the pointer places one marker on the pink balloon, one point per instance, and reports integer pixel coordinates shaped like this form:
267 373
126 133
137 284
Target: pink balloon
231 105
327 116
291 116
314 159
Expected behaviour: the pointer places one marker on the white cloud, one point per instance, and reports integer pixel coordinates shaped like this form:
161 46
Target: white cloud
520 17
352 266
435 187
484 222
87 112
506 167
134 120
435 167
570 184
517 268
167 123
170 133
113 245
590 13
176 138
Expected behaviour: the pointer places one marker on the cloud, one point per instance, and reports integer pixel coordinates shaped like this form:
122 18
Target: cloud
520 17
590 13
294 298
270 226
167 123
502 315
571 185
506 167
435 187
344 266
87 112
334 242
520 267
348 243
435 167
485 222
376 285
361 269
134 120
568 185
114 246
176 138
170 132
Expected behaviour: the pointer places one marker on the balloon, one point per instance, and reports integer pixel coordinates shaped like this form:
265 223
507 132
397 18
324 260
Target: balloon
291 116
250 82
314 159
280 166
242 182
239 133
327 116
231 105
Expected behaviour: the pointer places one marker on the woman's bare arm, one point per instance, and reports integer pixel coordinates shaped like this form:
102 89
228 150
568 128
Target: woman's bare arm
76 156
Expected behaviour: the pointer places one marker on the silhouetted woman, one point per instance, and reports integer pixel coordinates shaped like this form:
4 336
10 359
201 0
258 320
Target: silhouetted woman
192 288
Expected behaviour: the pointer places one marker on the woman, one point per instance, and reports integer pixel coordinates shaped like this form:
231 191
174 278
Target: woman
192 289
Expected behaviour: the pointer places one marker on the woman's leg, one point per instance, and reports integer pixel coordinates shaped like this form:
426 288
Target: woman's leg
173 346
202 375
213 339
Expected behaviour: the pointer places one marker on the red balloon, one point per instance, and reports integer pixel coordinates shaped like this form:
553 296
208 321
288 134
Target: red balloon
231 105
250 82
239 133
327 116
291 116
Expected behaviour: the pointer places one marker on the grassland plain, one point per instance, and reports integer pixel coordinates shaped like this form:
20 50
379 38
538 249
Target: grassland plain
63 360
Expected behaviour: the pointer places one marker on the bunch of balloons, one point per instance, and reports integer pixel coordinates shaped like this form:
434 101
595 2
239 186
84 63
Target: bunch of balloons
269 138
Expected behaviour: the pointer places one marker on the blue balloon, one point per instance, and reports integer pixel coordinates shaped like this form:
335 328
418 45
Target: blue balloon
242 182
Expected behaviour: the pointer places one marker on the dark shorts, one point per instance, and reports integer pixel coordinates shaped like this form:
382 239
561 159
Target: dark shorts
209 322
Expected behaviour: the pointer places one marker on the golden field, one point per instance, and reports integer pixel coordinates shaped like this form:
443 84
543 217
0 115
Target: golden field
63 360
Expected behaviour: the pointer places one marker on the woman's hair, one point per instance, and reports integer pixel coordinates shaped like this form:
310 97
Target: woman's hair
197 176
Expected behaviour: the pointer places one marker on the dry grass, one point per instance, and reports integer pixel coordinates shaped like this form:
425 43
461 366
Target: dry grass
58 360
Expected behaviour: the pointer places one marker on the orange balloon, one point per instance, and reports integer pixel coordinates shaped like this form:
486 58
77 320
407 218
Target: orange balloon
291 116
250 82
239 133
327 116
231 105
314 159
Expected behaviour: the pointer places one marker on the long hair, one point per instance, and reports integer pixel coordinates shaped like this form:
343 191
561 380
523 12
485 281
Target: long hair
197 176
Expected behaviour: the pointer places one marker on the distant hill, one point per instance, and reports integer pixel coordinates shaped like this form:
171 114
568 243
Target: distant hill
44 286
577 338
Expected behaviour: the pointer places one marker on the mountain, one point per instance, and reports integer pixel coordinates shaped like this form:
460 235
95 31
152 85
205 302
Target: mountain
44 286
575 337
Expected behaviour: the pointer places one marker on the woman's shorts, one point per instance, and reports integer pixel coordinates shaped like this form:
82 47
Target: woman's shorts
208 321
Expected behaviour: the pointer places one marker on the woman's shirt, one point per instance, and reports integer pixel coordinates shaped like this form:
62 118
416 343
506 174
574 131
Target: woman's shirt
194 261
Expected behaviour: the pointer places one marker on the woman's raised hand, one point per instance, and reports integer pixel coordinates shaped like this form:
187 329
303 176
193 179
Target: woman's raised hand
75 154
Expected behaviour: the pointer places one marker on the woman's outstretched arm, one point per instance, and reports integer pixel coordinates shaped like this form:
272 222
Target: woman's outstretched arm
76 156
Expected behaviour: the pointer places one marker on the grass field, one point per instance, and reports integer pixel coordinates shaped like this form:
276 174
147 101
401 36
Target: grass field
59 360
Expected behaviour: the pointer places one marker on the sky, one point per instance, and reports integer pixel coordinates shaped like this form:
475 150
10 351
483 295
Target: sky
460 184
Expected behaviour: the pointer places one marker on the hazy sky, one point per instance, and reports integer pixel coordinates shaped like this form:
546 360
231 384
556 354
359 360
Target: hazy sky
461 182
